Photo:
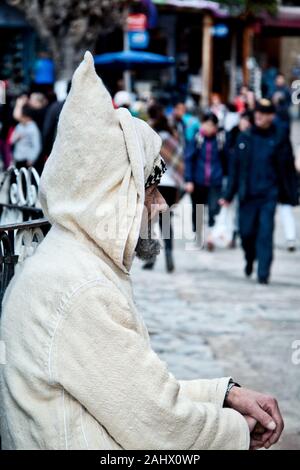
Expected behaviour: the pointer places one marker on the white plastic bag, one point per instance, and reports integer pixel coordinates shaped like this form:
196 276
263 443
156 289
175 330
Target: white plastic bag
297 160
222 233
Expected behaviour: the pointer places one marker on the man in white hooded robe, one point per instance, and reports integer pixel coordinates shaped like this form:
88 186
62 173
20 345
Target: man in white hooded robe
80 371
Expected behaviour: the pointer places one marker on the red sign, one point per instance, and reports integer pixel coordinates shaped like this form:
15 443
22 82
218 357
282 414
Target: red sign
137 22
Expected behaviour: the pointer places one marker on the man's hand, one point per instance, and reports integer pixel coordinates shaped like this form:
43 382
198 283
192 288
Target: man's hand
264 409
252 423
22 100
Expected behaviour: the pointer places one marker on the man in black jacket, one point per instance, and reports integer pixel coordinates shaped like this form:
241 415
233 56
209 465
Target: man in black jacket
262 172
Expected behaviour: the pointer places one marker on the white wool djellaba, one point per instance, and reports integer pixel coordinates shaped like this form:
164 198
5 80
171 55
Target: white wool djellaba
80 372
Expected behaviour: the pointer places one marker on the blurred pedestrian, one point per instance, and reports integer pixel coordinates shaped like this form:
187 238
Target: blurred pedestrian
204 170
269 81
38 103
261 173
246 120
123 99
191 120
282 87
6 128
232 117
241 99
246 100
251 101
172 181
282 101
26 140
218 108
50 130
177 122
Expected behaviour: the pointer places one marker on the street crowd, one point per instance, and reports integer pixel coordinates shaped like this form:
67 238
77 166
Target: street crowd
236 155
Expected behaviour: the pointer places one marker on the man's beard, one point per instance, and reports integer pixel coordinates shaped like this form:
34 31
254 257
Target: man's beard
148 248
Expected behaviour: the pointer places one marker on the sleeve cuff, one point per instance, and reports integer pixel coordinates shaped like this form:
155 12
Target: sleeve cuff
205 391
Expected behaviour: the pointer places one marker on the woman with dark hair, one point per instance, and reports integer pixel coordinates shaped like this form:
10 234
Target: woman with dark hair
172 180
26 139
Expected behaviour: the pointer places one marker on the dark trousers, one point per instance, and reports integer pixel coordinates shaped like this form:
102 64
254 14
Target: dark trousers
257 222
165 220
208 196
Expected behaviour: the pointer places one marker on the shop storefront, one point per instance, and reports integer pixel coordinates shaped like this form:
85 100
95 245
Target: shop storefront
278 42
16 49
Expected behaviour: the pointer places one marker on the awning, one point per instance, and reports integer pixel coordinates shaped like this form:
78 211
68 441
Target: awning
11 17
127 60
214 7
287 17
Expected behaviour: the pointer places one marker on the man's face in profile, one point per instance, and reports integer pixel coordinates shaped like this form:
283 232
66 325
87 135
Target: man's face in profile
148 247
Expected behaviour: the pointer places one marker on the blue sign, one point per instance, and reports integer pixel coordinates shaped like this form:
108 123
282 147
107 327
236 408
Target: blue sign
139 40
44 73
220 30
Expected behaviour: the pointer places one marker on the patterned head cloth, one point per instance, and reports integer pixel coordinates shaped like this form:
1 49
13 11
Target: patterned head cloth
159 169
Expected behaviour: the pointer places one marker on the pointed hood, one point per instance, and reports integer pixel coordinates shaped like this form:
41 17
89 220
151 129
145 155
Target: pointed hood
93 182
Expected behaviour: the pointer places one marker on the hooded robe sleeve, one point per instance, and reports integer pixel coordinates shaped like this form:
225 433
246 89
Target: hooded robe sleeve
201 390
101 359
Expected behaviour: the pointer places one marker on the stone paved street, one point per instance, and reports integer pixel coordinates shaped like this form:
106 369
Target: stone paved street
206 320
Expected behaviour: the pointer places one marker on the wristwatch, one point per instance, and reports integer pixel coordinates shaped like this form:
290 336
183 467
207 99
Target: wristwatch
231 384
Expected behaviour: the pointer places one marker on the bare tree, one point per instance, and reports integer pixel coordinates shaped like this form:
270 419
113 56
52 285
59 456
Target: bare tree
70 27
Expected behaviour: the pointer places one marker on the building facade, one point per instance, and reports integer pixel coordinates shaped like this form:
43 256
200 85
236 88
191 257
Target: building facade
212 49
17 49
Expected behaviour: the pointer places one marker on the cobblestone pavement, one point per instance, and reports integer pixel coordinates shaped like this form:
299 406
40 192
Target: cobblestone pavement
206 320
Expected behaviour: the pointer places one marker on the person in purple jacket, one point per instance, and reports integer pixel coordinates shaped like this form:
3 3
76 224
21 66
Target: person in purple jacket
204 169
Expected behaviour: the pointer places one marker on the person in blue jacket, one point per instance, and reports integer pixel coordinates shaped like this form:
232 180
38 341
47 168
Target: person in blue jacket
204 169
262 173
